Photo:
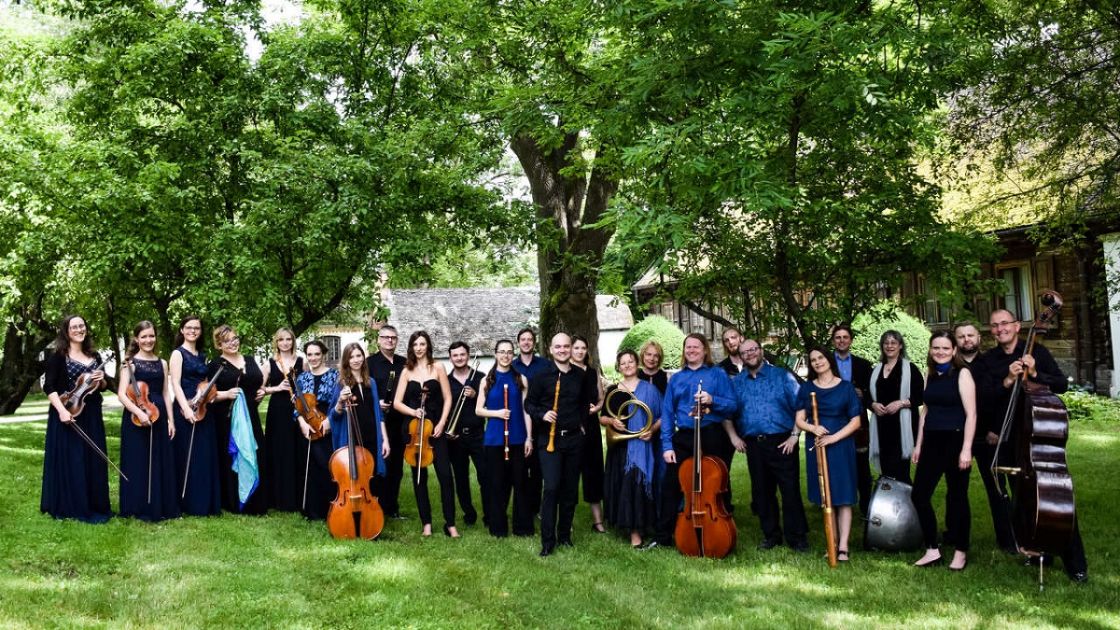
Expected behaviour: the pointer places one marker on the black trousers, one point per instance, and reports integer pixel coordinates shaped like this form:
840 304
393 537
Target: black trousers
464 450
983 454
711 436
560 485
533 482
441 460
771 472
502 476
939 457
388 488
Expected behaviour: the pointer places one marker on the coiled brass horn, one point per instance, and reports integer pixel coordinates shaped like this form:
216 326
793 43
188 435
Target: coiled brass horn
624 410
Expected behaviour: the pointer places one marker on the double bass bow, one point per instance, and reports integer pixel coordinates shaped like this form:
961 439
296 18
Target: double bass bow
1036 426
704 528
355 512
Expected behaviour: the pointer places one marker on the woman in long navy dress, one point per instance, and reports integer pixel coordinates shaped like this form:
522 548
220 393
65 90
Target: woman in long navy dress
241 374
199 491
147 457
591 453
421 371
505 454
629 498
313 457
838 409
75 478
282 438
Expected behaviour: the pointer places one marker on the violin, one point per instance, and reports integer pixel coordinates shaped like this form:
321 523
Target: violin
205 394
355 512
1042 505
306 405
75 399
705 528
137 392
418 450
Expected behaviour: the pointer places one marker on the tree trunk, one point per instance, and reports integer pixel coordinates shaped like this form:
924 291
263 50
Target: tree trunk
569 251
21 365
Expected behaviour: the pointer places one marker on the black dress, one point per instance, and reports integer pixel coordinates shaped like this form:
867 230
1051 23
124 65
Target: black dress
139 445
283 441
75 479
219 413
441 456
203 492
887 390
591 457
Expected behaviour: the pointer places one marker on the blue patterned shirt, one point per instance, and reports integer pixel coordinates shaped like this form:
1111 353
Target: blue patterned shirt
328 383
680 400
767 402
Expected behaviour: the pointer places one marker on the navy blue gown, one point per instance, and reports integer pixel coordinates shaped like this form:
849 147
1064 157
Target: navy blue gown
284 443
139 445
203 496
836 407
75 479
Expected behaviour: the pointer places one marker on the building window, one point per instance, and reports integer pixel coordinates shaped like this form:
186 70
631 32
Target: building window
334 348
1017 294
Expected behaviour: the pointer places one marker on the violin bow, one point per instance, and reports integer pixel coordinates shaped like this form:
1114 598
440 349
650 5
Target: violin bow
96 449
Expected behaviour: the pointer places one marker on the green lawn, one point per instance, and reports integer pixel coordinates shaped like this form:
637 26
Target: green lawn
281 571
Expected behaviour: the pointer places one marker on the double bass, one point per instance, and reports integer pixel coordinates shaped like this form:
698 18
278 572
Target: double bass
355 512
704 528
1036 428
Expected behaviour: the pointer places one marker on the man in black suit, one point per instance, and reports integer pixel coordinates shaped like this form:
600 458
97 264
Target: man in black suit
386 366
857 371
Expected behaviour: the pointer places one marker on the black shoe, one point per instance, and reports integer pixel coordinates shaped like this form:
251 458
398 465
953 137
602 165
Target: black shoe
397 516
1080 577
567 542
546 550
768 543
598 528
470 518
653 544
800 547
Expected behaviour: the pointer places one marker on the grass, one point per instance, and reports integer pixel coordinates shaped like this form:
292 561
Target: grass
282 571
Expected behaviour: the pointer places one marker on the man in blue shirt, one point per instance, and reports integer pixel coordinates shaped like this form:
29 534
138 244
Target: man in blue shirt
717 402
765 431
529 364
857 371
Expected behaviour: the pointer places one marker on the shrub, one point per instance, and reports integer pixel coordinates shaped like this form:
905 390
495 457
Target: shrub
660 329
870 325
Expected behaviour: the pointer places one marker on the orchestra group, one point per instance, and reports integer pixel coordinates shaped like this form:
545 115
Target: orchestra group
533 429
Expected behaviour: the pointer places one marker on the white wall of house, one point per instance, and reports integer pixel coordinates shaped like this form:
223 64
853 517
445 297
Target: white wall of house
1111 244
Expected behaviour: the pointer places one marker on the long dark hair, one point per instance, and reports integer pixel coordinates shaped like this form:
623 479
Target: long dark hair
957 362
345 374
813 376
410 356
586 357
897 336
200 342
62 341
134 342
492 375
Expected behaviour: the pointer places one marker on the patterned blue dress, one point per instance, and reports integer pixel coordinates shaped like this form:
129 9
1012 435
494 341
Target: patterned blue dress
836 407
149 494
203 496
315 484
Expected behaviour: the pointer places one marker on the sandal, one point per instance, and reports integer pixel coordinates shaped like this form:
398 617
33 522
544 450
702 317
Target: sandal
599 528
842 555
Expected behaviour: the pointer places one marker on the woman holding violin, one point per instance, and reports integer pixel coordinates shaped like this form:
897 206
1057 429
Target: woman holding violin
355 387
838 409
630 467
239 373
313 451
426 401
75 476
281 434
591 458
147 428
199 491
507 442
946 427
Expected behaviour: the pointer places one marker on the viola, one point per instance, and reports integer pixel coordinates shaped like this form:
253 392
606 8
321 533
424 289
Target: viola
137 392
418 450
355 512
704 528
75 399
1042 503
306 405
205 394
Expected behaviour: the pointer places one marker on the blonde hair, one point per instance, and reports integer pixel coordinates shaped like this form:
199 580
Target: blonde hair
276 341
652 343
220 334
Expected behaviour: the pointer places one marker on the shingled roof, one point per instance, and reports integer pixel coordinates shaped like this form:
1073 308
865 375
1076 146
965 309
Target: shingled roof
482 316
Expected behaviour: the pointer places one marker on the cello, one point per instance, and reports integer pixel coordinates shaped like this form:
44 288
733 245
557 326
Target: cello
418 450
355 512
1037 425
704 528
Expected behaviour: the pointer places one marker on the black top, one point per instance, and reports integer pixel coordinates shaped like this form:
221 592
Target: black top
62 374
467 417
944 409
730 367
889 388
990 368
574 400
381 369
659 379
433 404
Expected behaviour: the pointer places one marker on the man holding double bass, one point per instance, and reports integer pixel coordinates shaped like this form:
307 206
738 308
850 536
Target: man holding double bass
999 369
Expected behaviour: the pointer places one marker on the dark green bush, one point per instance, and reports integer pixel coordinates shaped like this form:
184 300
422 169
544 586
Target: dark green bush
869 326
663 331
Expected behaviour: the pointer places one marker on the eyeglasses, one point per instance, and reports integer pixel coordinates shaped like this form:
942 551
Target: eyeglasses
229 341
77 327
192 327
387 337
750 351
1003 324
504 352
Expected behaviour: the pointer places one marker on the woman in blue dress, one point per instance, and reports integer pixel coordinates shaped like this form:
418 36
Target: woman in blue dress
501 403
197 481
147 458
75 478
838 409
313 457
